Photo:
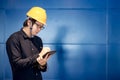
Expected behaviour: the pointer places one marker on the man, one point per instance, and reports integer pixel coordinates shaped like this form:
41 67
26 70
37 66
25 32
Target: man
25 49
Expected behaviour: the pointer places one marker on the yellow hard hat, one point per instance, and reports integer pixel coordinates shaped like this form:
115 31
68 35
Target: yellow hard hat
38 14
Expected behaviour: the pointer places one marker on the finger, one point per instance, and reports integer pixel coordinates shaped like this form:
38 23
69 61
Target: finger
41 61
38 59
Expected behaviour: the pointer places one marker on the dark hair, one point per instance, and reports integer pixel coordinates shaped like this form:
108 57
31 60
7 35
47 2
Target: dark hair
25 22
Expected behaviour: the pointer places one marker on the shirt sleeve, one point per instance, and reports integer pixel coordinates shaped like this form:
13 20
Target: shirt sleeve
38 43
15 56
43 69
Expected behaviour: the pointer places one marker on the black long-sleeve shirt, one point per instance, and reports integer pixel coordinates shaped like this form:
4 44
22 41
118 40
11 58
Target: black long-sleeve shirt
22 52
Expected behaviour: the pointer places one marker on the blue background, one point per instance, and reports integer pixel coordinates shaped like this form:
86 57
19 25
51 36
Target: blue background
85 34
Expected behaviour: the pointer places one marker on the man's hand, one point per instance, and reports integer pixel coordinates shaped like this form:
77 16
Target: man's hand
43 61
44 51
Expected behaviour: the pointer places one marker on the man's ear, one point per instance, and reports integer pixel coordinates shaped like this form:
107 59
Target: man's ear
29 23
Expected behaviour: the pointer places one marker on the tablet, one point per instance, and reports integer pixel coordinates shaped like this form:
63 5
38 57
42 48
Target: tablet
49 53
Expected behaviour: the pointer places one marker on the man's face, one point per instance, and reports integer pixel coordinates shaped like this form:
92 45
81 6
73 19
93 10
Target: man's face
37 26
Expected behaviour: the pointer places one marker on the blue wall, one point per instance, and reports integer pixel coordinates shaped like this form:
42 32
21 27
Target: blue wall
85 34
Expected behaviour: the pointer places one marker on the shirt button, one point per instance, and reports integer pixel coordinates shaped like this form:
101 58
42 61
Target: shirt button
32 49
36 74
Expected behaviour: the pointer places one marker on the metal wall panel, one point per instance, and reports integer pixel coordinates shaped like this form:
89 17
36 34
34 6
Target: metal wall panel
2 61
77 62
114 62
113 3
114 26
75 26
2 25
16 4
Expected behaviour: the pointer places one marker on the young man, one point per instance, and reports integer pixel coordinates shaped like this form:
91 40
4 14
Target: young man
25 49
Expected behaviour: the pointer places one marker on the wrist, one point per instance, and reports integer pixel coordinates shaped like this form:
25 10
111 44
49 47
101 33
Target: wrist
43 65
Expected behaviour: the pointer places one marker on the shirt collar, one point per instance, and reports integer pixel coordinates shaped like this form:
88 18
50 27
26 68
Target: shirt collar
24 34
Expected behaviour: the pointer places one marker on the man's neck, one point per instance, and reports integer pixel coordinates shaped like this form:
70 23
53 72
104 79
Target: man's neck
27 31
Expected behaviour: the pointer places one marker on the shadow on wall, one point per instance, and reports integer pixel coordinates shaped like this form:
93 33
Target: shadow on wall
59 46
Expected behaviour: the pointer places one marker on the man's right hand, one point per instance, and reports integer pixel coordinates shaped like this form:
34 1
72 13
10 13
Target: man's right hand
42 62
